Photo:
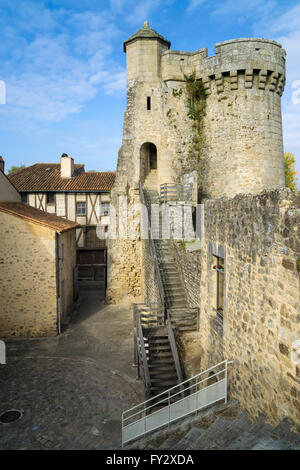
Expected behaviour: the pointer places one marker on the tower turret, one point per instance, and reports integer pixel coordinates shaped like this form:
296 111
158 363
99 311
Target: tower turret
143 50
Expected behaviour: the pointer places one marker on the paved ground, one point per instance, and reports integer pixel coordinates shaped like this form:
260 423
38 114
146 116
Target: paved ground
72 388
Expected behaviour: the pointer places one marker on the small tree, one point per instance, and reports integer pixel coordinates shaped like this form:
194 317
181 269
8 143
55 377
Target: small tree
290 171
16 168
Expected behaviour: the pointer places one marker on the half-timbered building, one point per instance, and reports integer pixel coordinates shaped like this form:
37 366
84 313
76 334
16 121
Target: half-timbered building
68 191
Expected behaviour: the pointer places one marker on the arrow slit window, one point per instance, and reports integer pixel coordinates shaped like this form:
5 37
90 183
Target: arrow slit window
219 268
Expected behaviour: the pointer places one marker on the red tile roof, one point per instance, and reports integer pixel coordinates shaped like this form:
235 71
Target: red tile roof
37 216
46 177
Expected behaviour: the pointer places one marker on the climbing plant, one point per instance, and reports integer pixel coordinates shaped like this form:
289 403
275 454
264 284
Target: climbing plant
196 96
192 159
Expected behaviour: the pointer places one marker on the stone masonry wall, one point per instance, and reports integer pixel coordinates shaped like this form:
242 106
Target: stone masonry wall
124 260
241 142
28 304
189 264
259 239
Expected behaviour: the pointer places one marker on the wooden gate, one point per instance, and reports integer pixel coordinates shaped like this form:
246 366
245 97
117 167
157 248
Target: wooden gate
91 265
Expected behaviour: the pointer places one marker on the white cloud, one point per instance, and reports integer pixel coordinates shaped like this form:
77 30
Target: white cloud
193 4
243 10
117 6
142 11
50 74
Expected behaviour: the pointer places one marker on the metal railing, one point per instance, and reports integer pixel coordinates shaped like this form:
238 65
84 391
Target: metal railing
174 351
153 252
149 315
176 192
184 317
140 358
189 396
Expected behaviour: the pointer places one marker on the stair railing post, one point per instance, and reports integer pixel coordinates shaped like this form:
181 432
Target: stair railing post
169 408
196 404
145 420
226 381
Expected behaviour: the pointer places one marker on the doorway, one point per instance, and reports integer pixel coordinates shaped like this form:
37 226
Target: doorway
148 162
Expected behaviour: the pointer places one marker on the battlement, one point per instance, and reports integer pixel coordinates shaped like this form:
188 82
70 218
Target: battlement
240 148
260 61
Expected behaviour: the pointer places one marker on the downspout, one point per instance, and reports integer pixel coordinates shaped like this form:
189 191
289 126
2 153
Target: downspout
57 281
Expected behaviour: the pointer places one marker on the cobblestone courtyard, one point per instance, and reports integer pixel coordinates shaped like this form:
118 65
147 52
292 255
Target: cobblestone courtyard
72 388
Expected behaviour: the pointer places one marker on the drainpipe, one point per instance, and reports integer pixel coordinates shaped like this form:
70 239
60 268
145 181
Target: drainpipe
57 281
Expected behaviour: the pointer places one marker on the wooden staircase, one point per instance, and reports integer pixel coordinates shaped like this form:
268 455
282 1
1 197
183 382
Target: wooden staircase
183 317
162 369
156 351
155 347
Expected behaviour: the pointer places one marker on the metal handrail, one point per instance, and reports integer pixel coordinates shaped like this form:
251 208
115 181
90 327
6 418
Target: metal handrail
144 409
180 384
192 310
153 252
148 314
140 351
180 392
176 192
174 351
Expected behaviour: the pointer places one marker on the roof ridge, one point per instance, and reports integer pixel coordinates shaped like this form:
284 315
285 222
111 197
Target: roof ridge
59 224
146 33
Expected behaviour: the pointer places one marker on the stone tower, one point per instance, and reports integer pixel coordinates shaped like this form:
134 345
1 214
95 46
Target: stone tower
241 149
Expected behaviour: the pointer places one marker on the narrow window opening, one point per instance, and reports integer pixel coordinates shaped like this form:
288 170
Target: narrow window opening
219 267
148 103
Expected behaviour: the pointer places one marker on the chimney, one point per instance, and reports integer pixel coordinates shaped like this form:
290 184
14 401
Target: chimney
66 166
1 164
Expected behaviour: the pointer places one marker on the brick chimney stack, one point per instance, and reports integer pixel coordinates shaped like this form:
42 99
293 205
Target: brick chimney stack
1 164
66 166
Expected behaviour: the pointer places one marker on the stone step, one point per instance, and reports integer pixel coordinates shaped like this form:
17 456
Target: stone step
170 442
245 441
268 443
217 429
238 426
283 432
192 436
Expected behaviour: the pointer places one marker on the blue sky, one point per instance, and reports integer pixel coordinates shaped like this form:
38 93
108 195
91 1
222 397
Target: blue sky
64 67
